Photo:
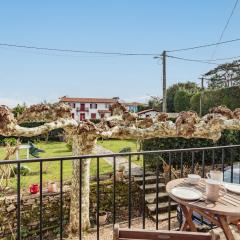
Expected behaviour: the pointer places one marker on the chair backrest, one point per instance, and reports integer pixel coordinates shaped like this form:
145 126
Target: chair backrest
130 234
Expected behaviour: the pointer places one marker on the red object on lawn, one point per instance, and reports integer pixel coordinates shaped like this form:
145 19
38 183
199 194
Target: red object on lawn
34 189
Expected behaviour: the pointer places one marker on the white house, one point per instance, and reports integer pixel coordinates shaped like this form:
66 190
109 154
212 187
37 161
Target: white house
89 108
154 113
148 113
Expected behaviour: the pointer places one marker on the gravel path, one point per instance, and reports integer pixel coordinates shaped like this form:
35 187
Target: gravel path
120 161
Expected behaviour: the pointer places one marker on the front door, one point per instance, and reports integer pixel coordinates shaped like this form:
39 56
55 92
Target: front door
82 116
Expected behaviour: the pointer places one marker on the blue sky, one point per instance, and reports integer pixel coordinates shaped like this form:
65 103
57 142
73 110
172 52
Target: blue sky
132 26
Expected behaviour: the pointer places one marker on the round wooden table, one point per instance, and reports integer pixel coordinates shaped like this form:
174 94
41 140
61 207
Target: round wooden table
226 209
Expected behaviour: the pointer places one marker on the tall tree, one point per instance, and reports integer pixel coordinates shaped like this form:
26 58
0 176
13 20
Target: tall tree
121 125
190 87
224 75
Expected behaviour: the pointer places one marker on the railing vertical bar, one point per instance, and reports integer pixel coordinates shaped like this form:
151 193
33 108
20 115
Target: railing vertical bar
114 190
80 199
181 162
157 190
203 164
231 157
213 159
169 199
223 157
129 191
61 199
193 156
143 197
18 202
98 200
41 203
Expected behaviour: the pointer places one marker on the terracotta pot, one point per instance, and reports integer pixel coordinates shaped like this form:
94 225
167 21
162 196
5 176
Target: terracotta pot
52 187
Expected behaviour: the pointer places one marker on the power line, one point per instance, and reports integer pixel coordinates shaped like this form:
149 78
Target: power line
112 53
78 51
192 60
204 46
225 28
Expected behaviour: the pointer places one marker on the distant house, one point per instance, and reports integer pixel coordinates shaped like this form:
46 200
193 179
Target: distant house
154 113
89 108
132 107
148 113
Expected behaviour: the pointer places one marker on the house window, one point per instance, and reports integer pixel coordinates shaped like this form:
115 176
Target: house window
82 116
73 115
93 116
73 105
93 106
102 115
82 107
106 106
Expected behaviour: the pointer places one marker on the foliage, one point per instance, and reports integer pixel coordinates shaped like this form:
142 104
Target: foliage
11 141
224 75
19 109
228 138
182 101
190 87
212 98
155 102
24 170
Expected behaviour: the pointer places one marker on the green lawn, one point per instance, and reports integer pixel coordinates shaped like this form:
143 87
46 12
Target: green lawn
52 169
59 149
117 145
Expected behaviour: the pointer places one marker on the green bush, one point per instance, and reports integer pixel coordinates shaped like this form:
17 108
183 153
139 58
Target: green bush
24 170
228 138
182 101
213 98
11 141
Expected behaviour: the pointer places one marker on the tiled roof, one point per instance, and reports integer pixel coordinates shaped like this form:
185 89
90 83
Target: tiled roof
87 100
148 110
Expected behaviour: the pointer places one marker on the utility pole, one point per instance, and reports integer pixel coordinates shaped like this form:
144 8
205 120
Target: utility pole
164 82
200 103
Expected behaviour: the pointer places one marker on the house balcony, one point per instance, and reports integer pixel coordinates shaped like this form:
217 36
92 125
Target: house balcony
82 109
132 192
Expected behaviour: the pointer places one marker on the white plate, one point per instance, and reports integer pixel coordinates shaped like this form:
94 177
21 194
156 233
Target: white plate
186 193
232 187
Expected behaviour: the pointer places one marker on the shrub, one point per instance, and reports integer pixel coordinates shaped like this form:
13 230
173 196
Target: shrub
182 101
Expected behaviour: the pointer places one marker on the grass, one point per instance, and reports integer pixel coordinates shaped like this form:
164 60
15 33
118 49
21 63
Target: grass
52 169
116 145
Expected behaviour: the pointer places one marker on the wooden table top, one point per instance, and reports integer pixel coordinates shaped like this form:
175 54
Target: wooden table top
228 205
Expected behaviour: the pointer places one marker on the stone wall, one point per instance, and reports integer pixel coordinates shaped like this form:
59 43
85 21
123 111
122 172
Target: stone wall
51 209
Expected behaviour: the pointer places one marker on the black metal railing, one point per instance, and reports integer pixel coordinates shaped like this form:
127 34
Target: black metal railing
176 160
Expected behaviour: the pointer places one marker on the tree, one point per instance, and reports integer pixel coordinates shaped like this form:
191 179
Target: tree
190 87
121 125
155 102
224 75
182 101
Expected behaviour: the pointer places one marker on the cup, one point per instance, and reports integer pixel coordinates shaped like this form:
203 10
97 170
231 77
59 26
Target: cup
213 188
193 178
215 175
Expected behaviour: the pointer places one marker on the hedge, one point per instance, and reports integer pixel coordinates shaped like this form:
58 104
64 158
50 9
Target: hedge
228 138
229 97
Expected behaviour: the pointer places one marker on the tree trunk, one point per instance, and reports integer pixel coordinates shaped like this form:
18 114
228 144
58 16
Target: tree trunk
80 147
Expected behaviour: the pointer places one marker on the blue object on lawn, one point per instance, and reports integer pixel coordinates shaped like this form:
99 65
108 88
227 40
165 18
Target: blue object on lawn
34 151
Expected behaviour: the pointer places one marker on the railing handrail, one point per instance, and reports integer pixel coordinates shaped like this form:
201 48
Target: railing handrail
31 160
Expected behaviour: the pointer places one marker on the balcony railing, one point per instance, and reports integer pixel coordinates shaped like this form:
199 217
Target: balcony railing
178 163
